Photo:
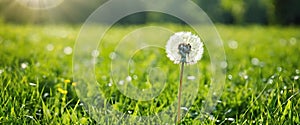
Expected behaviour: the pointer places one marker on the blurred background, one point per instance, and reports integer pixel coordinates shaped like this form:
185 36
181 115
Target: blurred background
264 12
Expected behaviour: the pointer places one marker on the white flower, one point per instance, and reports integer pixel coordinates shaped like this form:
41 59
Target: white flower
184 47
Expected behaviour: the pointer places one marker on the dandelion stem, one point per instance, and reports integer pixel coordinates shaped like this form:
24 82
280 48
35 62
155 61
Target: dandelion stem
179 93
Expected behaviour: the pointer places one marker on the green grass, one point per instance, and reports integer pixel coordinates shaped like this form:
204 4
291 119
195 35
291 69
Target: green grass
262 84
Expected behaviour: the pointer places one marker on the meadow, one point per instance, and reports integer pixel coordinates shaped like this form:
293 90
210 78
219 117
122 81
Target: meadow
37 86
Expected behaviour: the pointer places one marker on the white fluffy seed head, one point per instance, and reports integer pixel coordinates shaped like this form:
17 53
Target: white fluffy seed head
187 38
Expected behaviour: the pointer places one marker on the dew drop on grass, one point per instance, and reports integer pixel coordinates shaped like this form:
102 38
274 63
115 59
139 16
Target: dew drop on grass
233 44
45 95
228 111
32 84
68 50
50 47
229 119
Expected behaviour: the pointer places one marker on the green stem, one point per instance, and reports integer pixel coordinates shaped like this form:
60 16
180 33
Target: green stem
179 93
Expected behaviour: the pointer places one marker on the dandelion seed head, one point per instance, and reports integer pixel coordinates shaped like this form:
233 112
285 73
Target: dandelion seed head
184 47
24 65
255 61
112 55
95 53
68 50
296 77
1 71
293 41
49 47
128 78
233 44
121 82
229 77
224 64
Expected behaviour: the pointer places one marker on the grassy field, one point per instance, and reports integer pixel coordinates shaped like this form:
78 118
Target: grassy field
262 80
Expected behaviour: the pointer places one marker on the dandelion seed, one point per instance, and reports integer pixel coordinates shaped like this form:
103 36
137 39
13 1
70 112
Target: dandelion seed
50 47
293 41
68 50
